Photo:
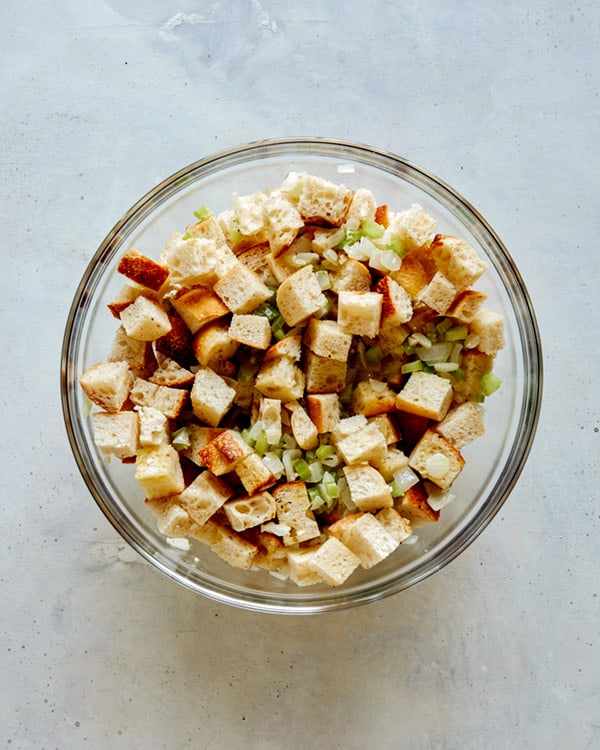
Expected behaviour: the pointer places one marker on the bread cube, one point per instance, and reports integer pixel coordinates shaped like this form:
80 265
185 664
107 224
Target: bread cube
213 345
223 453
289 346
145 319
436 459
368 444
457 260
204 497
415 508
367 538
283 221
488 326
269 414
349 426
371 397
198 306
461 425
272 553
158 471
360 313
324 375
300 296
169 401
250 214
241 289
412 275
116 433
387 426
280 379
137 354
230 546
323 202
154 426
211 396
177 343
396 306
474 365
389 463
171 519
302 573
142 270
251 330
257 259
326 339
125 296
107 384
254 475
170 373
196 261
334 562
352 276
396 526
293 509
246 512
439 293
413 226
324 410
466 304
425 394
199 435
363 205
210 229
368 489
303 428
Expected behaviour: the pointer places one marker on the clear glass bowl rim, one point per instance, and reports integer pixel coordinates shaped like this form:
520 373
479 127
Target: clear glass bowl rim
529 337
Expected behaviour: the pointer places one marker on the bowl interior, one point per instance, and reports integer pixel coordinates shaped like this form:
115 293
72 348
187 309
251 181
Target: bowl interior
493 462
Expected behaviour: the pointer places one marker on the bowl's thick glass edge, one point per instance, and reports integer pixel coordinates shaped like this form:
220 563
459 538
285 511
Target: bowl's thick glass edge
526 320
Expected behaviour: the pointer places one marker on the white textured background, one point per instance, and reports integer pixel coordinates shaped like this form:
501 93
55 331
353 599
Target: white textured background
101 100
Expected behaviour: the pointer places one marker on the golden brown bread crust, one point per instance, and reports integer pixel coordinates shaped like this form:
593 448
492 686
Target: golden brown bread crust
382 216
142 270
414 506
177 344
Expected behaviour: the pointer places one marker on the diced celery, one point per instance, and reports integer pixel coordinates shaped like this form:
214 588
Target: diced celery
489 383
245 435
397 245
415 366
203 213
268 311
371 229
373 354
302 469
324 451
262 443
457 333
180 439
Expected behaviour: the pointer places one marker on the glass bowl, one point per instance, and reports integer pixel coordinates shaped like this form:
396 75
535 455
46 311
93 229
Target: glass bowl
493 462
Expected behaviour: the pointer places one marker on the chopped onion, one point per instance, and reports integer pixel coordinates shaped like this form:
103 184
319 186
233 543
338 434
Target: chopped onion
445 366
330 255
435 353
273 464
179 543
323 279
278 529
405 478
437 466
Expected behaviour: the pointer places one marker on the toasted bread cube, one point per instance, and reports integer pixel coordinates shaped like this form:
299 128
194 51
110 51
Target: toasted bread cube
368 444
254 475
413 226
474 364
396 306
116 433
241 289
461 425
300 296
211 396
415 508
229 225
334 562
199 435
488 326
425 394
269 413
352 276
412 275
282 266
208 228
223 453
457 260
125 296
158 471
257 259
231 547
387 427
396 526
363 205
326 339
107 384
283 221
301 570
323 202
325 410
137 354
371 397
198 306
289 346
439 294
143 270
177 343
293 510
169 401
436 459
246 512
251 330
250 214
387 465
272 553
349 426
382 215
324 375
368 489
466 304
360 313
368 539
154 426
170 373
280 379
303 428
171 519
204 497
196 261
145 320
213 345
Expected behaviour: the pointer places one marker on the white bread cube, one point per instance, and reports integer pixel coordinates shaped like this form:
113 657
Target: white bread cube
247 512
352 276
272 553
241 289
457 260
283 221
387 465
250 214
197 261
211 396
228 223
436 459
199 435
391 336
250 330
413 226
169 373
303 428
371 397
396 306
137 354
323 202
466 305
169 401
325 410
293 510
145 320
439 294
285 264
396 526
414 507
171 519
254 475
349 426
280 379
360 313
224 452
257 259
324 375
230 546
425 394
154 426
366 444
142 270
158 471
300 296
116 433
461 425
213 345
488 326
368 489
204 497
334 562
107 384
412 275
269 414
363 205
387 427
289 346
301 570
208 228
367 537
198 306
326 339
